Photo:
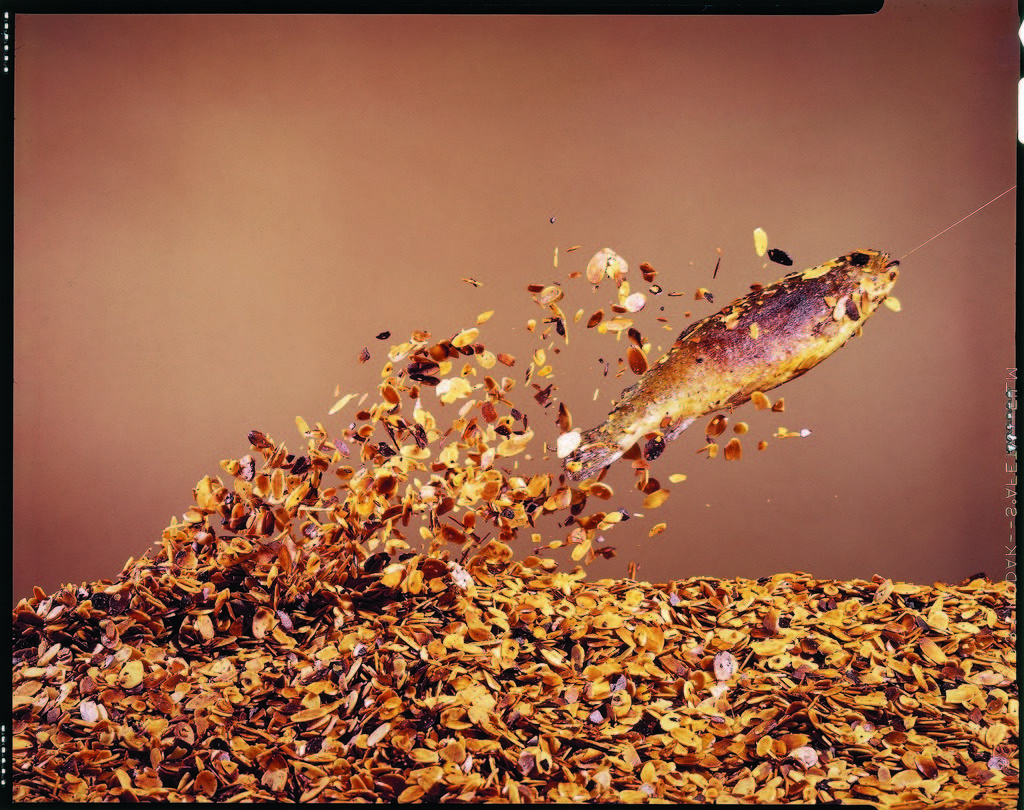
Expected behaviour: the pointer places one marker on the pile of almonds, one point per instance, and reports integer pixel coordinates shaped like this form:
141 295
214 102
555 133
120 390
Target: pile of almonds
421 680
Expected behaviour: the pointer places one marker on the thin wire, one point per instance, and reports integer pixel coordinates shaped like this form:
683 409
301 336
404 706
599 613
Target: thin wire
975 211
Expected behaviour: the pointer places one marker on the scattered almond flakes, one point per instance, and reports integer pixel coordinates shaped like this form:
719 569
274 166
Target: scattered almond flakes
465 337
341 403
711 449
634 302
637 360
287 642
606 262
760 241
655 499
453 388
733 450
716 426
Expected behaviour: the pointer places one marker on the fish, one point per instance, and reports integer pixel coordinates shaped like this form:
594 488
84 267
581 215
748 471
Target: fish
760 341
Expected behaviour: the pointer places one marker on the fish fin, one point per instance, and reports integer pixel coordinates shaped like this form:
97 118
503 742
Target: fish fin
678 428
594 453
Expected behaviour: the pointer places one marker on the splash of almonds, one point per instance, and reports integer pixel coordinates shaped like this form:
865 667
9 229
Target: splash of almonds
307 633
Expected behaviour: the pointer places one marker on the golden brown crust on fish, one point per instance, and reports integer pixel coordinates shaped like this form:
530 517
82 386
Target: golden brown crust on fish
756 343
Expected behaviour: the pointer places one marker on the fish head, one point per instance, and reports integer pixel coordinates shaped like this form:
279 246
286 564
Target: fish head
875 272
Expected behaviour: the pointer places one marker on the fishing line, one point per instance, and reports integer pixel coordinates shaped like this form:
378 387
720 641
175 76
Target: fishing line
975 211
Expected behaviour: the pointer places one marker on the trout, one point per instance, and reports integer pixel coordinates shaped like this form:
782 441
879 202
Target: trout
758 342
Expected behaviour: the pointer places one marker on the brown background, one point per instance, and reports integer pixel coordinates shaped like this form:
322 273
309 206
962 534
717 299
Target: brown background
213 215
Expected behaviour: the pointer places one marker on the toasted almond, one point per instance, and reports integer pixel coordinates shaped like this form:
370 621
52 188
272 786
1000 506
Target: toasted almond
760 241
637 360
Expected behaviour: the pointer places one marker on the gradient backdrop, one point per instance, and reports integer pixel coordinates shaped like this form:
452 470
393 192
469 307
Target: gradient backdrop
214 214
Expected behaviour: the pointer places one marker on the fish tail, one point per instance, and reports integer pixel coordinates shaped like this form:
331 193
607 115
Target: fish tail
594 453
